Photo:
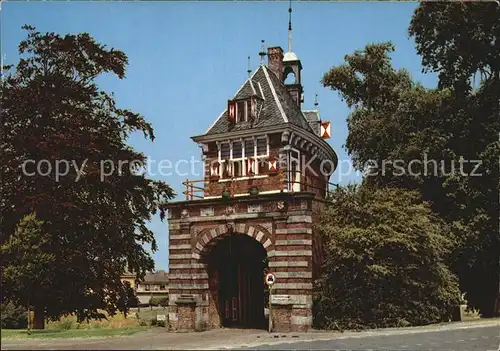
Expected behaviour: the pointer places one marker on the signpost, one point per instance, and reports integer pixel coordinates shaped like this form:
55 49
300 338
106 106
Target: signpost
270 279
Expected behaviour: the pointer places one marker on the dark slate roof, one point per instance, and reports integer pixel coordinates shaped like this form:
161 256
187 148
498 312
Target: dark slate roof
246 91
151 277
157 277
278 106
314 120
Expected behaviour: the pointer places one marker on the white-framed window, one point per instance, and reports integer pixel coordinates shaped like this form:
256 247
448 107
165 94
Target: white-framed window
243 110
237 159
224 155
294 175
235 154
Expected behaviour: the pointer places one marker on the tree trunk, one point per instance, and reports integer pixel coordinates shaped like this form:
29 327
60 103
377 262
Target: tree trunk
39 317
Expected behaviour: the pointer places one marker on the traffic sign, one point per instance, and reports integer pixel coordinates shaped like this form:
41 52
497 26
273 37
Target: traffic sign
270 278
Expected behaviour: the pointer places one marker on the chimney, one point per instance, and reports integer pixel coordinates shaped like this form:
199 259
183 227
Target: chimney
275 61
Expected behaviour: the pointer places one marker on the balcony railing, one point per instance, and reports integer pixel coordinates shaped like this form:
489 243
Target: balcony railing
195 189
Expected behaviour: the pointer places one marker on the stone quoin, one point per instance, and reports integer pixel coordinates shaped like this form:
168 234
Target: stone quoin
253 212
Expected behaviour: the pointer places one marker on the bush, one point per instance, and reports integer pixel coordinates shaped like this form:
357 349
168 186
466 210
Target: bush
159 301
65 324
13 317
163 301
384 262
160 323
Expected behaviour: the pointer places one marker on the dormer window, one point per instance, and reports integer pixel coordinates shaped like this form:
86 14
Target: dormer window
239 111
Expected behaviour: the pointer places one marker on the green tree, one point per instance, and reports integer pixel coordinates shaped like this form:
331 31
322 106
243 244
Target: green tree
12 316
460 41
404 135
29 263
127 298
384 263
159 301
95 214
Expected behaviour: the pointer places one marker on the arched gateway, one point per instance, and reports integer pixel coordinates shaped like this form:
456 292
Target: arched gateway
235 265
267 168
235 262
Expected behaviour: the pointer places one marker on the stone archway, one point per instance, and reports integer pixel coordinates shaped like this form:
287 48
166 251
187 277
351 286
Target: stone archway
209 237
235 262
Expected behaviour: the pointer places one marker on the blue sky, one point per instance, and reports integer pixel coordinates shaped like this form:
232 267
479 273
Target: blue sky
186 59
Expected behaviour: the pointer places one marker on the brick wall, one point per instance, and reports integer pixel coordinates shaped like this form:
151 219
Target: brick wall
282 318
282 224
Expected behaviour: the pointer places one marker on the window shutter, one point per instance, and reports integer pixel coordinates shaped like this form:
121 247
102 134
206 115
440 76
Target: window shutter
273 164
231 111
251 166
325 131
214 169
252 109
228 170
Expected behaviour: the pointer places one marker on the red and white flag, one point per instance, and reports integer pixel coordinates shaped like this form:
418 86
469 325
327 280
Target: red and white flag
325 132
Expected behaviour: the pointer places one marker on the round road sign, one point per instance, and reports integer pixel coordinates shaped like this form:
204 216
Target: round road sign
270 278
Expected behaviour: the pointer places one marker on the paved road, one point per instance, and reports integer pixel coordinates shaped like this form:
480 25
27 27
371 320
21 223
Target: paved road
480 339
457 337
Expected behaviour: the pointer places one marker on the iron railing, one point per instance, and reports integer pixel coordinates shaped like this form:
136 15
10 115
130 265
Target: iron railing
195 189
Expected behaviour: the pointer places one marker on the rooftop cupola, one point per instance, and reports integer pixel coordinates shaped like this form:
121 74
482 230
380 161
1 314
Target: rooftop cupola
292 67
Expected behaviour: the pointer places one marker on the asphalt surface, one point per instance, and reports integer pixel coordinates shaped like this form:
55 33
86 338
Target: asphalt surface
480 339
458 336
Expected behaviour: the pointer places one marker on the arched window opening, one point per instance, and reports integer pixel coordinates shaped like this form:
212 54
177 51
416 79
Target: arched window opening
290 78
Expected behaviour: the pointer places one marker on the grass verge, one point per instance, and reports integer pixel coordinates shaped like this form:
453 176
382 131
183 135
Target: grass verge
69 334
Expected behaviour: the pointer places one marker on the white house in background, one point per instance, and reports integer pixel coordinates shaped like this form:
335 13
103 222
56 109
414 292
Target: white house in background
155 284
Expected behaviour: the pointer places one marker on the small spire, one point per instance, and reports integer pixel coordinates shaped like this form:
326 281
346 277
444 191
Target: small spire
249 70
1 65
290 27
262 53
316 102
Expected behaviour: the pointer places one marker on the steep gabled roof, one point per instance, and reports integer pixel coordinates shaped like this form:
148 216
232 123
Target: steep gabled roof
278 106
313 119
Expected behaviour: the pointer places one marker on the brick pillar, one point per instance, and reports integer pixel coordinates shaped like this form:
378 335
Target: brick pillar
186 313
282 313
180 267
292 265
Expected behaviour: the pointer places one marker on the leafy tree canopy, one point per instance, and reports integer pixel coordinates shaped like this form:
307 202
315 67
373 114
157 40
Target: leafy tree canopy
458 39
384 262
442 142
94 216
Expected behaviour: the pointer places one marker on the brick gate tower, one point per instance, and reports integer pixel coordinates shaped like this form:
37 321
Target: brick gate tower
267 169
